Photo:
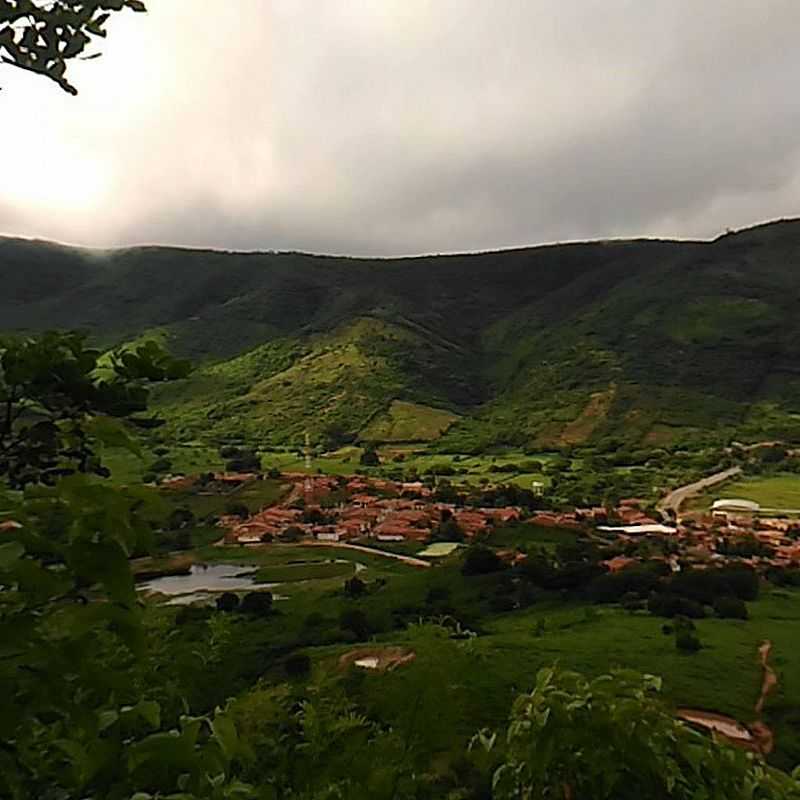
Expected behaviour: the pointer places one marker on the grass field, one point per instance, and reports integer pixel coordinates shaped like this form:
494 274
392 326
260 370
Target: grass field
313 570
409 422
774 491
472 684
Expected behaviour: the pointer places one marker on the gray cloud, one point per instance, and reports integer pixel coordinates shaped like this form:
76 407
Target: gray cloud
410 126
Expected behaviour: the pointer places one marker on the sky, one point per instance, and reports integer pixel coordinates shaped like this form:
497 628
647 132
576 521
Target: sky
410 126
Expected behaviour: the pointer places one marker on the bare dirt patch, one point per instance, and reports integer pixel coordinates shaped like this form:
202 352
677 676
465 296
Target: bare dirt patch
380 659
594 412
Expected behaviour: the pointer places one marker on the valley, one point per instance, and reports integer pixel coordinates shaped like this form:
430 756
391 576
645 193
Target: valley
398 492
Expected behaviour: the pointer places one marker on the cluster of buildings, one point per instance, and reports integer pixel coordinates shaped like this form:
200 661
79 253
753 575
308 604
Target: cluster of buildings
733 530
337 509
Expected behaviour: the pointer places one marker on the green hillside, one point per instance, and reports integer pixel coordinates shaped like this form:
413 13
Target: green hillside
653 342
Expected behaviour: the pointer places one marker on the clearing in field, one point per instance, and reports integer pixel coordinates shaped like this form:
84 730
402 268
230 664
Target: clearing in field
439 549
409 422
595 411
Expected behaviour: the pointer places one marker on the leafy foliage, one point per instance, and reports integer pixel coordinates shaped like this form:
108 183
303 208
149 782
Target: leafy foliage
59 400
611 737
43 36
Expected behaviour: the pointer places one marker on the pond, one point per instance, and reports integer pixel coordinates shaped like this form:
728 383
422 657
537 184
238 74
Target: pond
203 581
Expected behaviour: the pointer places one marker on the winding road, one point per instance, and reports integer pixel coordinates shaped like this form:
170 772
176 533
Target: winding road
674 500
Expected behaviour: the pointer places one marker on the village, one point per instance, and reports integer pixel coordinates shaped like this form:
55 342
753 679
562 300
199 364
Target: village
369 510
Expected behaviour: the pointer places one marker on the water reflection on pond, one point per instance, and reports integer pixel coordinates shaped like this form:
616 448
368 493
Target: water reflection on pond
202 581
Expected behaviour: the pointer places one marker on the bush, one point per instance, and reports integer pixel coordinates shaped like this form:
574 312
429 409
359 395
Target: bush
256 603
160 465
292 534
297 665
246 462
189 614
369 458
481 560
235 509
687 642
730 608
355 587
180 518
355 621
500 603
671 605
703 586
227 601
274 473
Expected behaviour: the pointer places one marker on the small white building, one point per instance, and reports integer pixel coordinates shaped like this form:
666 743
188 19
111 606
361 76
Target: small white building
735 506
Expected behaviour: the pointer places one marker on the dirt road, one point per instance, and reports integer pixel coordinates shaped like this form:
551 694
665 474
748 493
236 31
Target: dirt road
673 501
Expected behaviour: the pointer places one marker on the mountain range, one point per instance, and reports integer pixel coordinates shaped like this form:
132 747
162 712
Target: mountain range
642 343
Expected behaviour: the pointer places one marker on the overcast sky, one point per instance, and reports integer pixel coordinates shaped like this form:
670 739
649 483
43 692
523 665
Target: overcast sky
409 126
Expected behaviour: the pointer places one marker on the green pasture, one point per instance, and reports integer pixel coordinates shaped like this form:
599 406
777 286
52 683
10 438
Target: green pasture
313 570
772 491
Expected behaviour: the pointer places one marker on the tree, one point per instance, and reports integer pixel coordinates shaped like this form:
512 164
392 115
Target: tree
61 401
78 720
370 458
481 560
298 665
687 641
612 737
355 587
41 36
730 608
355 621
228 602
258 604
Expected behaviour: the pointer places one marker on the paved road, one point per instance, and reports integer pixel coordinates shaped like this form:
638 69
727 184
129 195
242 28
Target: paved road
414 562
675 498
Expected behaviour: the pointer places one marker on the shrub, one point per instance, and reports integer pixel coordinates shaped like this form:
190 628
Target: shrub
227 601
730 608
160 465
687 642
355 621
369 458
671 605
274 473
292 534
246 462
256 603
354 587
237 509
481 560
500 603
297 665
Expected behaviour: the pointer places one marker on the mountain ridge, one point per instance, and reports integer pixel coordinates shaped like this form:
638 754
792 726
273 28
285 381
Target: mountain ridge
645 341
